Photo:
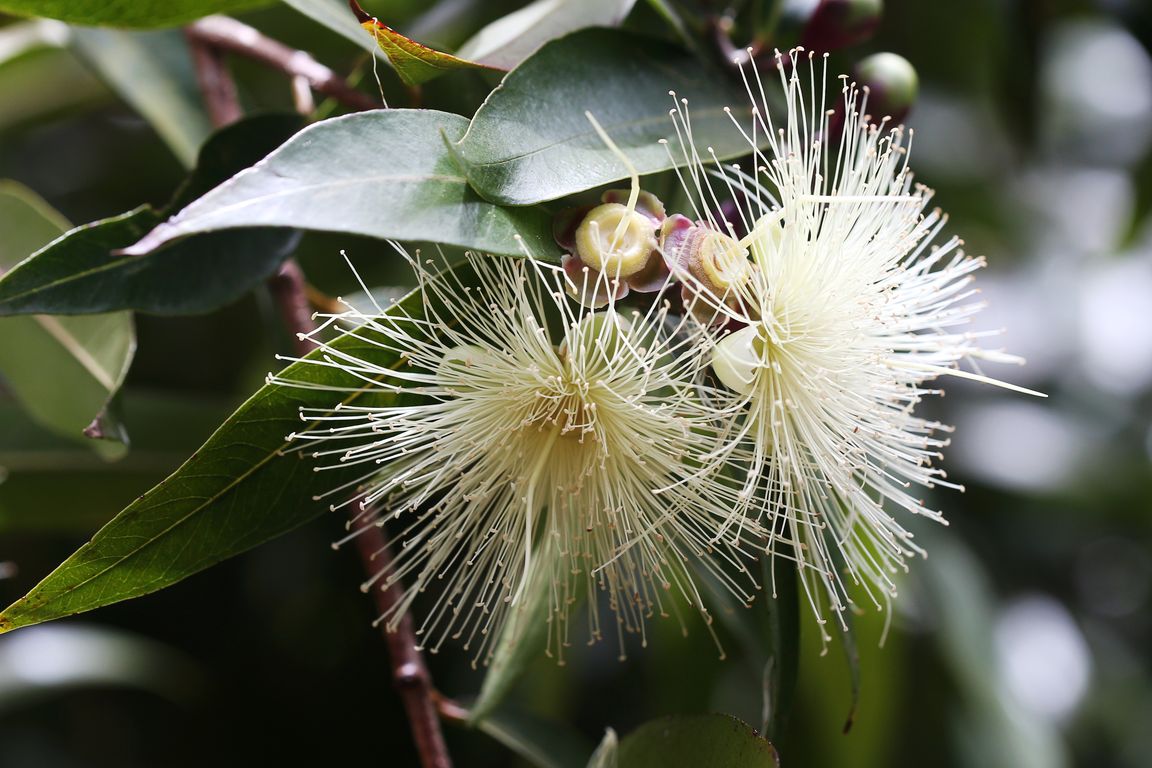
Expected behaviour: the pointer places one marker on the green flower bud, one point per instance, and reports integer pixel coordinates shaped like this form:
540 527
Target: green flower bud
891 82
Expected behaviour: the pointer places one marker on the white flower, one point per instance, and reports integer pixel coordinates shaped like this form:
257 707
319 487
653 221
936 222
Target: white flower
839 310
524 451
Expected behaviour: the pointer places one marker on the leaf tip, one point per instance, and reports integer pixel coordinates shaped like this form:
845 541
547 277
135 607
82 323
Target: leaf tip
362 16
145 245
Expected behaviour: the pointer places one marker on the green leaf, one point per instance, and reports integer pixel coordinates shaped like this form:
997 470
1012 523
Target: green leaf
607 753
780 614
847 634
414 62
152 71
385 174
700 741
242 488
542 743
532 142
521 641
845 627
335 15
126 13
510 40
64 371
78 273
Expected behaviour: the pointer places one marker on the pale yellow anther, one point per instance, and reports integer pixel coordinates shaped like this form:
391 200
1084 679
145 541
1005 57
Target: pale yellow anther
616 240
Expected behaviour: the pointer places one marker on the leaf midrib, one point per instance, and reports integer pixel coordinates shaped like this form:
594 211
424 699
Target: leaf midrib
191 513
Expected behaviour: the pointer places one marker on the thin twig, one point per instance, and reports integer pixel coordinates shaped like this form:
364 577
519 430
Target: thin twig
289 291
409 672
216 85
228 34
291 296
410 675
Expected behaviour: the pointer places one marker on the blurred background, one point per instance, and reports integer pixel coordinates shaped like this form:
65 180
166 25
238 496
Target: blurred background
1025 638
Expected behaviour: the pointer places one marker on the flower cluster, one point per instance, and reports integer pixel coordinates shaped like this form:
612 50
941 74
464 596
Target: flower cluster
545 443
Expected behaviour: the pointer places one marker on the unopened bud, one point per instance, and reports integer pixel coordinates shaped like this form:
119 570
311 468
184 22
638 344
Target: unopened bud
836 24
737 357
892 84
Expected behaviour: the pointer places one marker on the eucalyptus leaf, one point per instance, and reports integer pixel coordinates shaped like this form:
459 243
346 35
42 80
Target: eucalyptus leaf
414 62
606 754
509 40
531 140
385 174
336 16
152 71
521 641
64 371
700 741
845 627
138 13
78 272
542 743
780 628
847 634
243 487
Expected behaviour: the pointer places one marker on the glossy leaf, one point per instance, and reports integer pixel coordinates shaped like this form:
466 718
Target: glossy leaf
64 371
241 488
780 628
386 174
336 16
152 71
138 13
78 273
607 753
414 62
509 40
522 640
531 141
542 743
701 741
845 628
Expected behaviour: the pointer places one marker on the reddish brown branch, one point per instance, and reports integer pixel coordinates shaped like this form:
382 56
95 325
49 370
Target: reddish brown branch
228 34
409 673
291 296
422 702
216 85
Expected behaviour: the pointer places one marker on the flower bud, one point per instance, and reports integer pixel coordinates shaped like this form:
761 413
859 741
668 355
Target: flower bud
836 24
737 357
891 82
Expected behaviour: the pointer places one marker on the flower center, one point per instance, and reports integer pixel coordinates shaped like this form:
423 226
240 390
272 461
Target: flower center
616 239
